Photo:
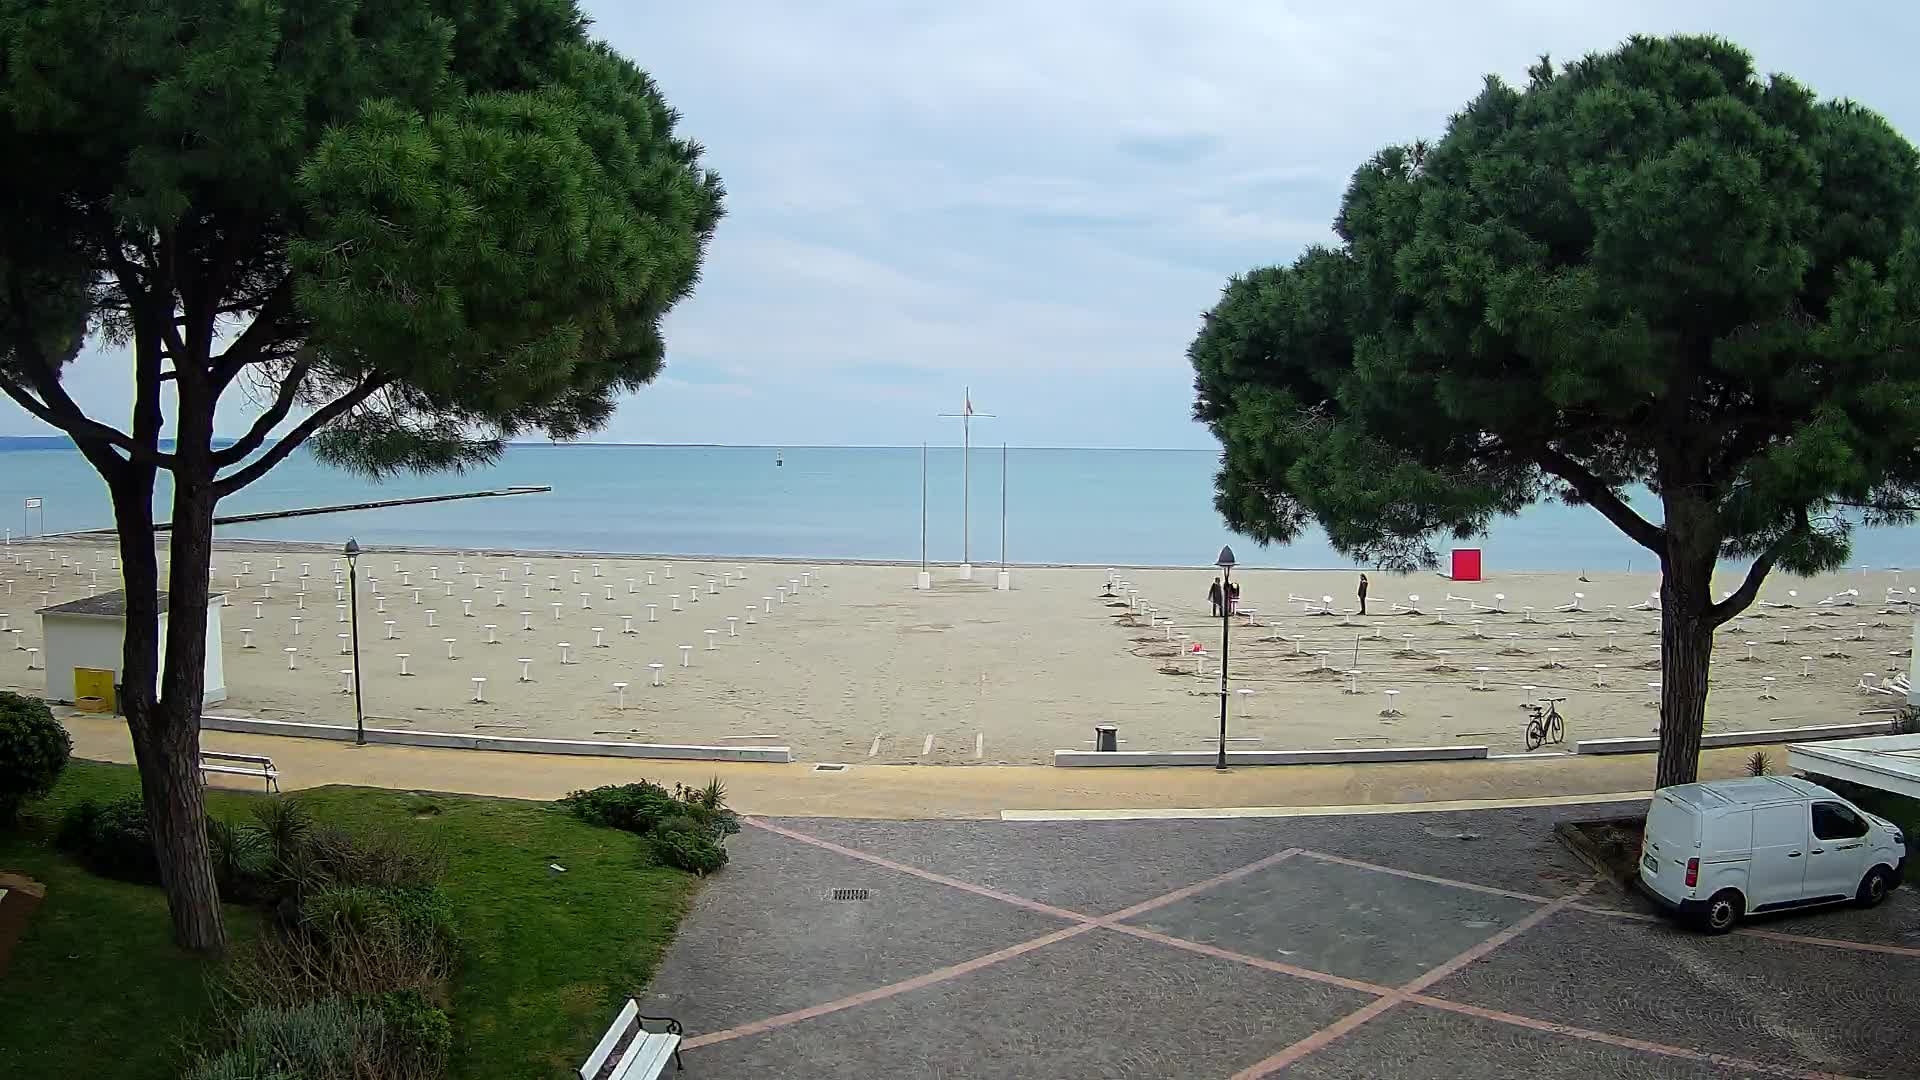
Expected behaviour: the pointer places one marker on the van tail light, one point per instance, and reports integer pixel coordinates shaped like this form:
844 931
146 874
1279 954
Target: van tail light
1693 872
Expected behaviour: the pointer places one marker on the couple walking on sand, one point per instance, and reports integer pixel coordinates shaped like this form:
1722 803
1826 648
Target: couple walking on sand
1224 601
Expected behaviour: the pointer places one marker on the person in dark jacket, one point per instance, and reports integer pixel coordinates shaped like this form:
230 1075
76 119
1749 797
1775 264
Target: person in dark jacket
1215 597
1363 594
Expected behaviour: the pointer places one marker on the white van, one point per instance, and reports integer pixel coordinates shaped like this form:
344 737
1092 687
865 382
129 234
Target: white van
1719 850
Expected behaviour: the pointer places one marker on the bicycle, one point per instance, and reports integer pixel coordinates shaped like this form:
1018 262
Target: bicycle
1545 725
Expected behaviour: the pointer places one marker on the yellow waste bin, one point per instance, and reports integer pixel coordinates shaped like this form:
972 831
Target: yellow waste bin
93 690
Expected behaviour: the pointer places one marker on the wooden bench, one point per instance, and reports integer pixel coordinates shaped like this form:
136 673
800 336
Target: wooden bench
240 765
628 1051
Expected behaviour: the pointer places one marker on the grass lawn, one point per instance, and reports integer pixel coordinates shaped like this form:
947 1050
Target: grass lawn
97 989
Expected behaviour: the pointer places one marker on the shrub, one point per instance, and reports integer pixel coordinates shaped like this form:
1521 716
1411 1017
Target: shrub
419 1035
240 861
684 828
331 1039
110 840
688 845
632 807
282 825
328 856
1759 764
33 751
350 939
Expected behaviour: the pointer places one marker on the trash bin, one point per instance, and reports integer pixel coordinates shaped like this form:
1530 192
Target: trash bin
1106 738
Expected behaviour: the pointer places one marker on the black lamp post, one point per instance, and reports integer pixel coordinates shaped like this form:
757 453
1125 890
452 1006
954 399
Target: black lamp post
1225 563
352 553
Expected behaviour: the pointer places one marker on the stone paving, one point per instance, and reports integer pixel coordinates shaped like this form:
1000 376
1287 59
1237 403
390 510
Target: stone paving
1394 946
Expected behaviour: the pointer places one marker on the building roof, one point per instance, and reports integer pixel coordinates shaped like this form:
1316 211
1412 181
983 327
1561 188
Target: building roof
110 605
1887 762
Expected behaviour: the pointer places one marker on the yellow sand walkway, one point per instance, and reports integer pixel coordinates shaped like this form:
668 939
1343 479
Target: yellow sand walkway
922 791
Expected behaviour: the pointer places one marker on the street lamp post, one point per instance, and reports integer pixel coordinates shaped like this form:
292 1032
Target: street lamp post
1225 563
352 553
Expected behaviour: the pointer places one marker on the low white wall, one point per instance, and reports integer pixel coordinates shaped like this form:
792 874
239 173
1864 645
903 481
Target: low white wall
457 741
1647 744
1124 758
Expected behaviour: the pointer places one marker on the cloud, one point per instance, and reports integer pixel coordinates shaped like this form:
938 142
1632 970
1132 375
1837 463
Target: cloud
1039 200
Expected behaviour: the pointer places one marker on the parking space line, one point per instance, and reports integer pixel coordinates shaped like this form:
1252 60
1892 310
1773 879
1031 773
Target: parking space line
1623 1041
1386 997
1453 882
931 978
1401 994
1181 894
1830 943
1766 935
1261 962
914 871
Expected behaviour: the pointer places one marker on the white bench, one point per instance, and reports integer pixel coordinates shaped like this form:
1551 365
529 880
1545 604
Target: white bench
628 1051
240 765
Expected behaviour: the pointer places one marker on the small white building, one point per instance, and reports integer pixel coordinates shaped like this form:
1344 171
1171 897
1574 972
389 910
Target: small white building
88 636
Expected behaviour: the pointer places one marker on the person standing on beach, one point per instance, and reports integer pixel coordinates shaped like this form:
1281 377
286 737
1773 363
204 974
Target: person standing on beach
1215 597
1363 594
1233 598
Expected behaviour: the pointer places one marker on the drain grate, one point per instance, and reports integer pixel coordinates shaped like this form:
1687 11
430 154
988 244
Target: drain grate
829 767
849 894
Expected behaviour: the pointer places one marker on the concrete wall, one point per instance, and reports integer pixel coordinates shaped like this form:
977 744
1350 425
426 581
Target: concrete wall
453 740
1141 758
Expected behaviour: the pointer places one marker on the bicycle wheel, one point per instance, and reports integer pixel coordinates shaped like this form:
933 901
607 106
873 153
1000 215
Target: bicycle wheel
1536 734
1559 732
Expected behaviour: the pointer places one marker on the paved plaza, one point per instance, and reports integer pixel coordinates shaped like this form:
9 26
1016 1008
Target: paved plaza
1465 944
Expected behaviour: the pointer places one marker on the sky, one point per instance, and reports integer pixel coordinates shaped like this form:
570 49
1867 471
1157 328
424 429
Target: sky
1039 200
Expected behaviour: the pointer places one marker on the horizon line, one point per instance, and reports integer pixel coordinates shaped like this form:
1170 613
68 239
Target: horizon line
551 444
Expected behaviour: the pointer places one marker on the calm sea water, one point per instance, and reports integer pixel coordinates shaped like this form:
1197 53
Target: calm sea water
1119 507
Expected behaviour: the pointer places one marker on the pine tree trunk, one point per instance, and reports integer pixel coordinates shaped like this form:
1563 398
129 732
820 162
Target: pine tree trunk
1686 637
1686 651
165 725
168 752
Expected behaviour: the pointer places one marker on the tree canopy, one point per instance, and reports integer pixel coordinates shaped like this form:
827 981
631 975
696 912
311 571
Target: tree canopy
1649 270
404 230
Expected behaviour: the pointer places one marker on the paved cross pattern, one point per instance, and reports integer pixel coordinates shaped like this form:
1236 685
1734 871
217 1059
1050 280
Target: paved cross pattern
1242 949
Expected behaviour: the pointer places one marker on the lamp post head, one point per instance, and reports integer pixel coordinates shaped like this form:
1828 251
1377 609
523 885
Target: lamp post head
352 549
1225 561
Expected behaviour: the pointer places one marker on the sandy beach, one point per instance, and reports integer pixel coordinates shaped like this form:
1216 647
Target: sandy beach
848 663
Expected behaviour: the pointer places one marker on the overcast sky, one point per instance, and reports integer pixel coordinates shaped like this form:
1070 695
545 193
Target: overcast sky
1039 199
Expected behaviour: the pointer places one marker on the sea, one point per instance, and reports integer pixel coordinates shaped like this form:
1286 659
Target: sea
1099 507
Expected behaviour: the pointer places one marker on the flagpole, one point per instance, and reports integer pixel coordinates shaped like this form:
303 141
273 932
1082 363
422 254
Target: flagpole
966 482
1004 580
966 487
925 580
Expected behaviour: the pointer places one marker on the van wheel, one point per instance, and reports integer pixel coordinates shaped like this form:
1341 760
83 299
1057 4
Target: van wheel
1874 887
1723 912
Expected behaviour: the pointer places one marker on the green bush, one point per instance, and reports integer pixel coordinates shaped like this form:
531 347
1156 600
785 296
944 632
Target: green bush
111 840
419 1034
33 751
240 864
632 807
330 1039
684 828
683 843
